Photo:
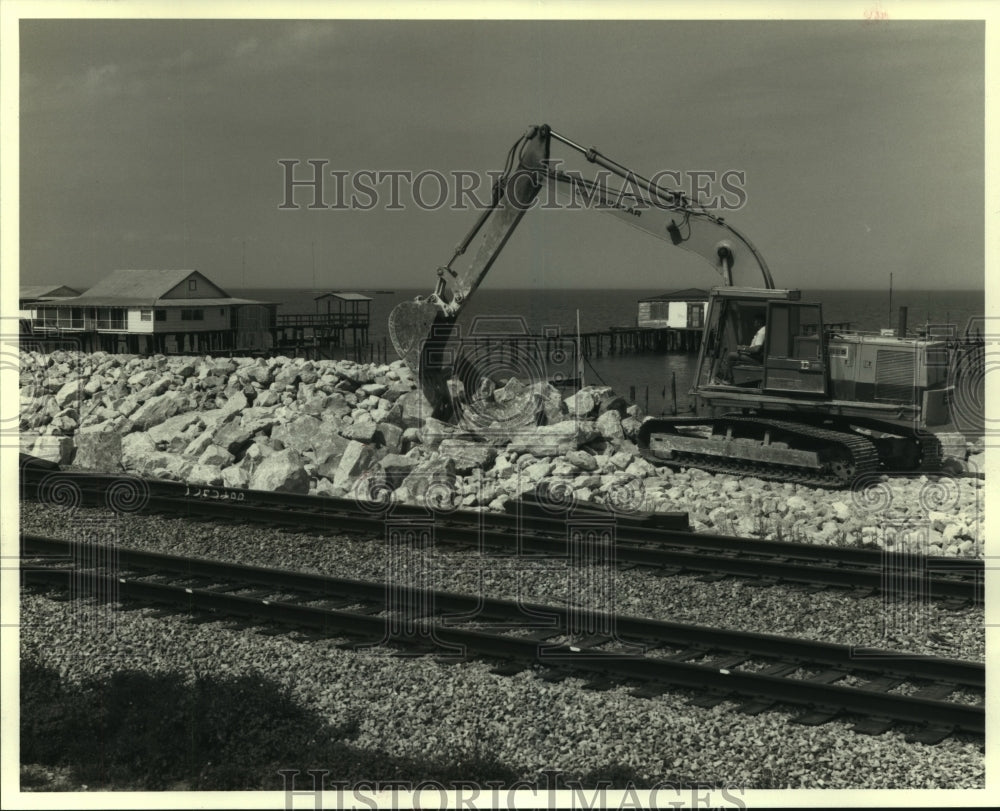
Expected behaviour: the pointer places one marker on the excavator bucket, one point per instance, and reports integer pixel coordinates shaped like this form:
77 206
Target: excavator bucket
411 323
419 331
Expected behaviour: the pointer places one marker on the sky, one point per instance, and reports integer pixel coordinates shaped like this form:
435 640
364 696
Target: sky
156 144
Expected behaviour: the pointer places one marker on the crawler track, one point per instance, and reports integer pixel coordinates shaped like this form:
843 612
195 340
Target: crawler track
757 671
537 527
849 455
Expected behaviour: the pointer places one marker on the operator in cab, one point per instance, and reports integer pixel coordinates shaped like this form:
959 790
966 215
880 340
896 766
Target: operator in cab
755 349
752 353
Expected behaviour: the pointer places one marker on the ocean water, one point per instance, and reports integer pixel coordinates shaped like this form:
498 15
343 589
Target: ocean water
649 374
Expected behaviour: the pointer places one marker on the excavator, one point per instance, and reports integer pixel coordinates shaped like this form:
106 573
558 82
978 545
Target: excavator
796 400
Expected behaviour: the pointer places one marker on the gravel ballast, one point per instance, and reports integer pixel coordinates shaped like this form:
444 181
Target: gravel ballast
404 708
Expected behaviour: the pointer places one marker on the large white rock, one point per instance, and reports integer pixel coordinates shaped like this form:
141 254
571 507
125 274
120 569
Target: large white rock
235 476
467 455
99 450
582 460
258 420
397 467
581 404
796 504
390 436
233 437
172 427
236 403
94 384
327 455
216 457
205 475
197 446
538 471
434 432
69 394
301 434
281 472
547 400
553 440
156 388
156 410
58 449
136 448
414 408
363 429
356 459
609 424
164 465
434 471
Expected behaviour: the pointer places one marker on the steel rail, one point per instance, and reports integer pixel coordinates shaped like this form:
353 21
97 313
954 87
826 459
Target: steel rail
537 529
883 669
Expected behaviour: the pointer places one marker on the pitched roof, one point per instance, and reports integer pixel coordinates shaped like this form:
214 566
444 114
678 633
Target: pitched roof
136 286
687 294
345 296
39 291
177 303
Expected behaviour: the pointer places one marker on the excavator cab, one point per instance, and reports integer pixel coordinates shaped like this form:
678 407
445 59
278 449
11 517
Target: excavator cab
795 356
763 341
735 357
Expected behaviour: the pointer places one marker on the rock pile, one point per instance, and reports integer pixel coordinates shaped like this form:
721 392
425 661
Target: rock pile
340 428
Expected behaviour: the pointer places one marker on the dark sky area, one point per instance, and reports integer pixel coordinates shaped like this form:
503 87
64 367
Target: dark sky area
155 144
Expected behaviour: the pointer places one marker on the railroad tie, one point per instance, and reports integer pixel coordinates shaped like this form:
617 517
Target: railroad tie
591 641
688 654
708 701
929 735
730 661
508 669
780 669
935 692
600 685
817 717
828 676
761 705
756 706
763 582
542 635
649 691
226 588
873 725
256 595
882 684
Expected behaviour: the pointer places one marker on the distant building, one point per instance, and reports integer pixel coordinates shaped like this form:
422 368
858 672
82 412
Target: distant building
681 309
30 295
346 311
145 311
341 302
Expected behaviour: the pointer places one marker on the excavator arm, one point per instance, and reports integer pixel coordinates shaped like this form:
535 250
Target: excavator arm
420 330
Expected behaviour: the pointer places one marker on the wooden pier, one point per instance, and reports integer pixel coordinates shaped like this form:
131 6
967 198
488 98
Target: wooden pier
528 355
618 340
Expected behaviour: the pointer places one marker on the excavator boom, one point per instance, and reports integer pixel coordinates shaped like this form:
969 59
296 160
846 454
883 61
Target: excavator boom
420 330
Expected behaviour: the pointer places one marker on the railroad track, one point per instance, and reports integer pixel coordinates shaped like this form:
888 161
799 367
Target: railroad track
930 697
660 541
